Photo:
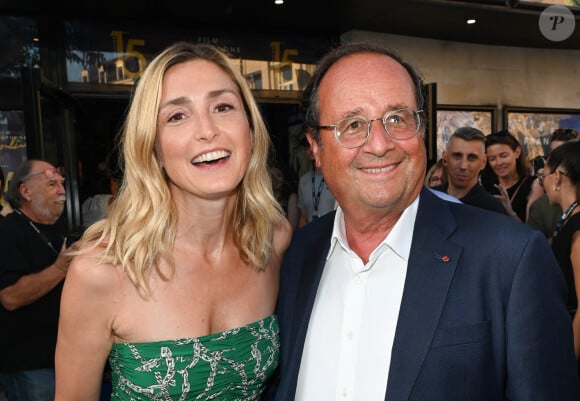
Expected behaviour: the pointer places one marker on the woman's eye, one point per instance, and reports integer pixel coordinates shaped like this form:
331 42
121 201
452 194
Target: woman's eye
224 107
175 117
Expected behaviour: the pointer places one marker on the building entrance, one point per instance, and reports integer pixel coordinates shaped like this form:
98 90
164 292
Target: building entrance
99 119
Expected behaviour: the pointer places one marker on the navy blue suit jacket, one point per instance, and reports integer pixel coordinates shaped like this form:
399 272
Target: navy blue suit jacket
482 317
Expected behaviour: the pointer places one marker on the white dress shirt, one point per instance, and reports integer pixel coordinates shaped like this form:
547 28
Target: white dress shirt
350 335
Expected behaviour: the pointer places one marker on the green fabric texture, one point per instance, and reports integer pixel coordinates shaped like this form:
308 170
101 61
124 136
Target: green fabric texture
231 365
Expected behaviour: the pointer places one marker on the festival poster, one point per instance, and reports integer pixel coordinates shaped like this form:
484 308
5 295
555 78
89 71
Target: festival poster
12 142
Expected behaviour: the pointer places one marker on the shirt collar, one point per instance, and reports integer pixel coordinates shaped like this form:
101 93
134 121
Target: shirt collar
399 239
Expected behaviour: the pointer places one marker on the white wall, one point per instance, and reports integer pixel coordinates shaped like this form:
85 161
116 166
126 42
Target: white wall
473 74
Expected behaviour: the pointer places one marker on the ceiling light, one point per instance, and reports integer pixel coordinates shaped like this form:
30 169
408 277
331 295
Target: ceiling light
278 2
471 21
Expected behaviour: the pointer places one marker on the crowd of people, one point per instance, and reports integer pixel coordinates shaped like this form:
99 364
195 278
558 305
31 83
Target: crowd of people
210 275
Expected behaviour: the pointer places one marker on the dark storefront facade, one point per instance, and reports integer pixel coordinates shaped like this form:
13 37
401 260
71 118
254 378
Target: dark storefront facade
66 84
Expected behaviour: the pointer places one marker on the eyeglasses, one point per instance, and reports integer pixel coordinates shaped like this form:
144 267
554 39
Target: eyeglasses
541 176
49 173
433 179
353 132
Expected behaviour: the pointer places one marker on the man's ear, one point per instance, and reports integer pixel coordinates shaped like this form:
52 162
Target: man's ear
314 148
25 192
483 162
444 158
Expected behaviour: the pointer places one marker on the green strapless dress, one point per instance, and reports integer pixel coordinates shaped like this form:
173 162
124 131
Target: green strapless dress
231 365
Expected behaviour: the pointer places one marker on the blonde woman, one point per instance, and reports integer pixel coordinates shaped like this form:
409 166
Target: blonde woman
436 175
177 286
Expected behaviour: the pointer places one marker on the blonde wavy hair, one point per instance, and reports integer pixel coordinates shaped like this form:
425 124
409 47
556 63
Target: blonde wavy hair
139 230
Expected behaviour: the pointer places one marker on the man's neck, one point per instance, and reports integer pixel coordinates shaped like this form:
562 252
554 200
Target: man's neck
35 217
459 192
508 182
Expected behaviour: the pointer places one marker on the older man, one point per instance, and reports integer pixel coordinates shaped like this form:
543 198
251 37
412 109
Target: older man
32 268
399 295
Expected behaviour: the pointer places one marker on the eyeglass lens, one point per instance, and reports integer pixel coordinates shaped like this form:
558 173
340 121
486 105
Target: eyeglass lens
398 124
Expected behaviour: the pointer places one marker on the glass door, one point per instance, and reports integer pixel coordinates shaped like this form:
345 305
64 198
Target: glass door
50 135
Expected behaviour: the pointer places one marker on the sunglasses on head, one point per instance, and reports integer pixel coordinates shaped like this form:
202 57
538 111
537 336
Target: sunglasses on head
49 173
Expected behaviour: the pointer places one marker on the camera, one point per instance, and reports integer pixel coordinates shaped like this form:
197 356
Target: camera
538 163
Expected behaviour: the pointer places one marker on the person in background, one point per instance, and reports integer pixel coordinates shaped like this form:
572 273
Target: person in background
464 158
541 214
436 175
399 295
96 207
33 266
561 181
285 195
5 207
177 286
507 174
314 197
2 183
536 166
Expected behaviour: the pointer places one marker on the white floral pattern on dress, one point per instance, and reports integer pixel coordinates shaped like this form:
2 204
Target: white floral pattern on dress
231 365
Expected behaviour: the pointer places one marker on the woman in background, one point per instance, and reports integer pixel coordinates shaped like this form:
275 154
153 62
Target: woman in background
177 286
561 181
541 215
436 175
507 174
286 195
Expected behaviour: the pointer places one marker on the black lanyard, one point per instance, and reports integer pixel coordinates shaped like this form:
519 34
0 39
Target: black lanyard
40 234
316 195
564 217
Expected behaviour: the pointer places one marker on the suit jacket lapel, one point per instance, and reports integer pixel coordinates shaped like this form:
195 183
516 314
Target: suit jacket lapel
431 267
311 271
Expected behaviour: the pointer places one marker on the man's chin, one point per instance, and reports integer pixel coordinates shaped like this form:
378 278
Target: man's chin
462 182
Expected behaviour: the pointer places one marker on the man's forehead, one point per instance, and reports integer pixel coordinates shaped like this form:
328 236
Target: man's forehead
363 81
456 144
461 153
367 66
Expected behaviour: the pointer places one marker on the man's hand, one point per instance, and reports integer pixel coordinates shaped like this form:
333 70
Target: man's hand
64 258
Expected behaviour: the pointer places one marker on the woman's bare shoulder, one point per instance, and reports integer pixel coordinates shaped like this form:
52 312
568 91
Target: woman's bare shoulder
87 270
282 237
